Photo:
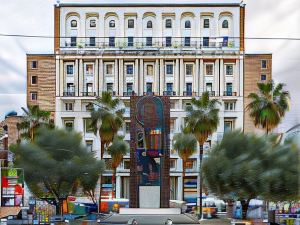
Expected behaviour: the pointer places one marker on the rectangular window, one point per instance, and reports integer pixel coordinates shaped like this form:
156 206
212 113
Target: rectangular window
127 127
189 69
168 23
264 64
263 77
111 42
87 125
70 70
206 23
187 41
191 164
173 163
168 41
33 96
129 69
34 65
206 41
189 88
149 87
228 125
209 87
109 86
129 87
149 70
169 69
209 69
109 69
69 124
69 106
89 69
89 145
228 89
170 87
148 41
126 164
229 106
229 70
34 80
130 41
73 41
92 41
131 23
172 124
92 23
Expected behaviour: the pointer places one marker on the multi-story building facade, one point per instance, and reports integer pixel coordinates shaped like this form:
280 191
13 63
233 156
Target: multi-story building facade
179 50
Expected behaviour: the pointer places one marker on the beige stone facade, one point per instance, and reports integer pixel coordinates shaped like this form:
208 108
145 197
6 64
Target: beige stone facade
9 132
41 81
254 73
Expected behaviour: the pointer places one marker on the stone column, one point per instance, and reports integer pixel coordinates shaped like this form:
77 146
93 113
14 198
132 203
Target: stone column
62 81
222 78
161 77
101 29
156 76
136 77
118 186
116 78
181 77
159 30
201 77
180 180
176 77
196 77
101 77
80 77
216 79
236 73
121 77
241 80
96 77
141 76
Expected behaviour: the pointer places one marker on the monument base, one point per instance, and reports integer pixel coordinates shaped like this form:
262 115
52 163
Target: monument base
150 211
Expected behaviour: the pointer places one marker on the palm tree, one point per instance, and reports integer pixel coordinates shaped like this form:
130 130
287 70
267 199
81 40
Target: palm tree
186 146
117 150
33 119
107 119
202 121
269 106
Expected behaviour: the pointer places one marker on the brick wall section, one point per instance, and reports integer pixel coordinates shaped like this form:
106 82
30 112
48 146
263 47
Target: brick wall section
12 131
242 28
56 28
45 86
252 76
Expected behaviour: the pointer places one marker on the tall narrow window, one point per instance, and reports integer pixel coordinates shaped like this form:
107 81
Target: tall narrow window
229 70
34 80
73 23
131 23
228 89
112 24
225 24
149 24
189 69
73 41
264 64
34 64
206 41
168 23
109 86
130 41
92 41
149 87
109 69
149 41
189 89
209 69
206 23
129 87
129 69
187 24
92 23
168 41
169 69
187 41
111 42
149 70
33 96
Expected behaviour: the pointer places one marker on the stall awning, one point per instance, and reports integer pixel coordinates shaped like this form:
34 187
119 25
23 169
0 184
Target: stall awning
9 211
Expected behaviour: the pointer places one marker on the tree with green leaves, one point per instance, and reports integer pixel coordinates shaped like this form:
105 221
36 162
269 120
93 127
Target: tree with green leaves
186 146
244 167
269 106
117 150
33 119
202 121
56 163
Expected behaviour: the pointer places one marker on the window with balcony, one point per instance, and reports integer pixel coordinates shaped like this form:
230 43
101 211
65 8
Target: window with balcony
129 87
149 24
69 124
112 24
264 64
168 41
149 87
169 87
229 106
109 69
88 125
149 70
209 87
109 87
89 145
169 69
225 24
92 23
189 89
205 41
89 89
34 64
129 69
206 23
187 24
33 96
189 69
229 70
209 69
228 89
168 23
70 89
187 41
69 106
130 42
263 77
111 41
92 41
34 80
73 41
89 69
70 70
130 23
73 23
148 41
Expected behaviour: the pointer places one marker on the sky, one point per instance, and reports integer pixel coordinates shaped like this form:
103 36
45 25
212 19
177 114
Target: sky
264 18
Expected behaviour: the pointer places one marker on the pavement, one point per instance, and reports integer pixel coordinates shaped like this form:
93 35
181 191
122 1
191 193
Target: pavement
217 221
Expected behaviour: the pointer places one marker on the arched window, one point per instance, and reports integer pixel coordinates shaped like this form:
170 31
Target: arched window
168 23
112 23
149 24
73 23
187 24
92 23
225 24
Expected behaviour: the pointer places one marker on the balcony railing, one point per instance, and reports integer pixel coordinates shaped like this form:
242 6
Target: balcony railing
169 93
88 94
154 42
230 93
69 93
189 93
211 93
149 93
129 93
